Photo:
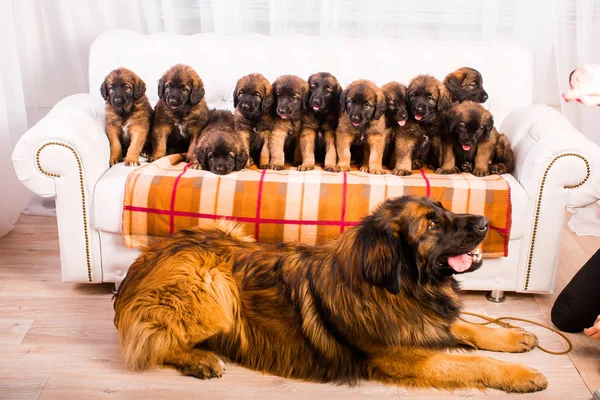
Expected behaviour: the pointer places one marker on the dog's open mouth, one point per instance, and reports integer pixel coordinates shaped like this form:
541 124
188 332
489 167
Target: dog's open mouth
463 262
401 122
466 148
418 117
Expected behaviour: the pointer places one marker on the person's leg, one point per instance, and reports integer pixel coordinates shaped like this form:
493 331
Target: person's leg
578 305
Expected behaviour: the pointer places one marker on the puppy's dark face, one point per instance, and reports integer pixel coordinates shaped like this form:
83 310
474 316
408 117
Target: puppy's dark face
180 88
395 97
252 95
290 93
222 159
469 123
324 92
466 84
122 87
363 101
426 98
415 238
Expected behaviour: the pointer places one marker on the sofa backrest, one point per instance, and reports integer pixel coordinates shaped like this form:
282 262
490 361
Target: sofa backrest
221 60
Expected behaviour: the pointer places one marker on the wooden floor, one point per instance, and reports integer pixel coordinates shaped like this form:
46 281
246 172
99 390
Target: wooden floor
58 341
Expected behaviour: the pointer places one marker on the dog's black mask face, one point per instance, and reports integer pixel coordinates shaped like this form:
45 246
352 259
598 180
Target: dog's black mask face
466 84
221 163
397 110
220 159
176 94
469 123
423 103
324 92
249 101
120 93
288 101
415 238
361 107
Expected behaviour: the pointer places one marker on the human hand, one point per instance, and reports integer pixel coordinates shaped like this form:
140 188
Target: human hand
594 331
585 85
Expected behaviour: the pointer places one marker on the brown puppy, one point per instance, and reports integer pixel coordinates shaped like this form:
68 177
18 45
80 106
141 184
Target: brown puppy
253 101
362 104
379 303
320 121
219 148
466 84
289 93
180 114
472 144
427 99
410 143
128 115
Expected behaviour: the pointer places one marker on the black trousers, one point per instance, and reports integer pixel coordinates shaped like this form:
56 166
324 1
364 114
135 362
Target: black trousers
578 305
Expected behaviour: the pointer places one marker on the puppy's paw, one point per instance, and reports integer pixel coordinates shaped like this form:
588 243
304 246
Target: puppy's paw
402 172
417 164
250 162
263 166
342 168
275 167
376 171
481 172
196 165
306 167
132 162
498 169
467 166
364 168
115 160
331 168
212 367
443 171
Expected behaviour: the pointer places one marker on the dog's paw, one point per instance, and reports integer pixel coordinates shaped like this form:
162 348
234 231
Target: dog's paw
196 165
481 172
250 162
516 378
275 167
306 167
498 169
342 168
115 160
443 171
376 171
331 168
402 172
208 368
132 162
516 341
467 166
364 168
416 164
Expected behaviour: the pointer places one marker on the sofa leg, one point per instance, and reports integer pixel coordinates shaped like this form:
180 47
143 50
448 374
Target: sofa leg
496 296
115 288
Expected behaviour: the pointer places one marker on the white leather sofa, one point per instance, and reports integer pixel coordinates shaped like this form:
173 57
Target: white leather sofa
66 154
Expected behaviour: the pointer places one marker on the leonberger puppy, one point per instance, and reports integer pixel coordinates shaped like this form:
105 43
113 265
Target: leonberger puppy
128 115
466 84
253 102
427 99
379 303
219 148
320 121
472 144
180 114
289 93
410 143
362 104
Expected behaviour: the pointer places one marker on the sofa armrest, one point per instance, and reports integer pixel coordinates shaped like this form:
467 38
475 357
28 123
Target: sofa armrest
558 167
64 155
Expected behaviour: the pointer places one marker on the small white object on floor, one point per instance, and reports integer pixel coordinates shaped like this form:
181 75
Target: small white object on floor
585 220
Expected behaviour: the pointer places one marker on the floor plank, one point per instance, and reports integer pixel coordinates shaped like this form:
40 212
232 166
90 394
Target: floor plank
61 342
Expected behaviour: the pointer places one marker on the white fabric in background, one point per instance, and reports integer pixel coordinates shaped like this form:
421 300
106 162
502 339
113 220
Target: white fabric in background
586 220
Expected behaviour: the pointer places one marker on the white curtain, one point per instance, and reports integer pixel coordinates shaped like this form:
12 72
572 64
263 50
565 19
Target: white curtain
53 37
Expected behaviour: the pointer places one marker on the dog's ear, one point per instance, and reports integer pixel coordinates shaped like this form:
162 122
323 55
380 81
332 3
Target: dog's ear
161 87
381 105
337 94
268 100
197 93
488 124
235 94
342 102
453 83
104 90
139 88
202 155
376 255
444 100
240 161
452 117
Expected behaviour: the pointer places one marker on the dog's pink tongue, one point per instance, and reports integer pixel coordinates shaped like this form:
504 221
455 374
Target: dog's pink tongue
460 263
466 148
402 122
418 117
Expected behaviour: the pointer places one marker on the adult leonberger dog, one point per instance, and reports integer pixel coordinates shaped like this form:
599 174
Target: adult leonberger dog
428 98
378 303
320 120
253 102
362 104
289 92
128 115
466 84
472 144
180 114
220 149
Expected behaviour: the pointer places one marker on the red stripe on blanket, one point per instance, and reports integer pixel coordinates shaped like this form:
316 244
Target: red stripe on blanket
427 185
173 195
258 203
344 193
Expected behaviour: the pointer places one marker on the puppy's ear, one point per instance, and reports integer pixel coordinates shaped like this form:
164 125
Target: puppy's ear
104 90
488 124
161 87
444 100
453 83
202 154
337 94
305 99
381 105
235 95
342 102
268 100
197 93
452 117
376 255
139 88
240 160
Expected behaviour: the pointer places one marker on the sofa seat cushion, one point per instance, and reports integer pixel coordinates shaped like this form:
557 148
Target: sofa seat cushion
291 202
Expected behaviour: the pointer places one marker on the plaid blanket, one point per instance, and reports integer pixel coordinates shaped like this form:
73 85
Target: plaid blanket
287 206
